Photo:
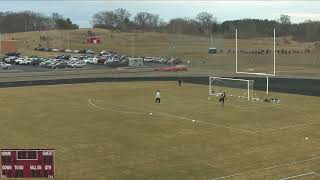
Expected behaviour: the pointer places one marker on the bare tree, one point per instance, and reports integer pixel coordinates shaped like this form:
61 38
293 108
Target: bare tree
205 20
284 19
121 16
98 18
142 18
147 21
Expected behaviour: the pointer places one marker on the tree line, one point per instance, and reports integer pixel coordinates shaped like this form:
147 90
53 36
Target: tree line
205 24
31 21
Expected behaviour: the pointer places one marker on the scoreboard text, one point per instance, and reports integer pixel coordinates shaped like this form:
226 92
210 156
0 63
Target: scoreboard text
27 163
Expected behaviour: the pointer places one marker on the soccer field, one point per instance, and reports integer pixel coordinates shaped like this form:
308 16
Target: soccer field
115 131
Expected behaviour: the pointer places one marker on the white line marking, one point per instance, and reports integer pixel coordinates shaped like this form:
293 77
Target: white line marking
169 115
286 127
89 100
219 125
253 132
300 175
128 112
268 168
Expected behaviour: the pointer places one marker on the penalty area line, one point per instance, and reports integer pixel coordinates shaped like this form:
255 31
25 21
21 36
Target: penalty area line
120 111
169 115
267 168
300 175
203 122
286 127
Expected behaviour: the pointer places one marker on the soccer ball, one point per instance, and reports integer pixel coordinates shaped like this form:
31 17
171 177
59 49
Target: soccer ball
193 120
150 113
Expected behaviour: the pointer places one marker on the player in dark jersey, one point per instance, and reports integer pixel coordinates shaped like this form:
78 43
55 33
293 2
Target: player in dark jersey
222 98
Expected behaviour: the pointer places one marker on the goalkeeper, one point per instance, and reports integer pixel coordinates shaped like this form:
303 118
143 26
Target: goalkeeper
222 98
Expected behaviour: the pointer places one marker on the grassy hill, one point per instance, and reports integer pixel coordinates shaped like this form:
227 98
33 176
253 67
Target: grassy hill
148 43
185 46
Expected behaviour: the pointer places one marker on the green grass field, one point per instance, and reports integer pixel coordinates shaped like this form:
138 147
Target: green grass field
105 131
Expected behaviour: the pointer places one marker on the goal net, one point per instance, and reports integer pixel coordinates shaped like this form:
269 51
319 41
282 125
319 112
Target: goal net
240 88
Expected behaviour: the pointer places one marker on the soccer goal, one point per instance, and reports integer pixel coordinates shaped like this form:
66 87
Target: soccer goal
240 88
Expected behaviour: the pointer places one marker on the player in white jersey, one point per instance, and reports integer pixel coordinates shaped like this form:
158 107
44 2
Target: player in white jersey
157 97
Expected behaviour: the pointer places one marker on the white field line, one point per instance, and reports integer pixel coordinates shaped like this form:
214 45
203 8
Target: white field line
169 115
267 168
300 175
159 113
286 127
128 112
203 122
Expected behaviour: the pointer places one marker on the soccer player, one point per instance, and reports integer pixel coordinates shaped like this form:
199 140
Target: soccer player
221 98
157 97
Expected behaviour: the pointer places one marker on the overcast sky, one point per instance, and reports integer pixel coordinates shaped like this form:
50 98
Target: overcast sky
81 12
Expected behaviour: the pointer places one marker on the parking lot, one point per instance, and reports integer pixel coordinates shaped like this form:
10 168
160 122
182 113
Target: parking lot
70 62
29 68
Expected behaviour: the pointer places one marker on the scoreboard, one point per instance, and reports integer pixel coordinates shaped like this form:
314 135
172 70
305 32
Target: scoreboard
27 163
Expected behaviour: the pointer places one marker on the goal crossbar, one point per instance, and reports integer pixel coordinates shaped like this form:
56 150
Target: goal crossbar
260 74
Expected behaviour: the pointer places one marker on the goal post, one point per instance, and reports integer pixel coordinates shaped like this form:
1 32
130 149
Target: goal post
241 88
266 74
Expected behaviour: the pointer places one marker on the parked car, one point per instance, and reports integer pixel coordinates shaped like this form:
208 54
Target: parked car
51 63
82 51
114 59
104 52
90 60
44 63
26 61
76 64
90 51
35 61
65 57
113 62
74 58
79 64
59 65
102 60
149 59
163 61
76 51
10 59
4 65
67 51
19 60
55 50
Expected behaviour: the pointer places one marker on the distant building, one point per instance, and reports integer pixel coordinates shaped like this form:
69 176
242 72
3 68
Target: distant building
135 62
7 46
93 40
